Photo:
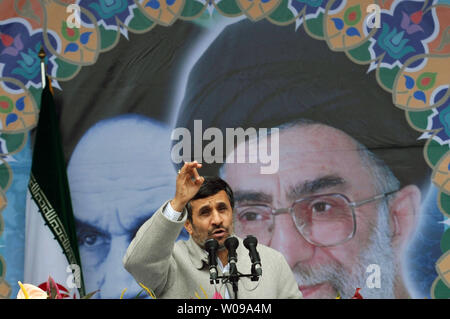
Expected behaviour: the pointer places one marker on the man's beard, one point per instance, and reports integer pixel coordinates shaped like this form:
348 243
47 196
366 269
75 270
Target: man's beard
379 252
200 240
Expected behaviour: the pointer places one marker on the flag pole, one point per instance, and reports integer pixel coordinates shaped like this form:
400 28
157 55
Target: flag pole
42 55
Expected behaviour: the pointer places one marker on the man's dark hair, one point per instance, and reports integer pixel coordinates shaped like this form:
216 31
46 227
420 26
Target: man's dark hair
211 186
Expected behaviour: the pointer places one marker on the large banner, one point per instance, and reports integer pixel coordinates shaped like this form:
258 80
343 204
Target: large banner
329 120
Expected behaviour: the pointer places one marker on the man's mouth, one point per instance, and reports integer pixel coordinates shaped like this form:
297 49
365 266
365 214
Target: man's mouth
219 233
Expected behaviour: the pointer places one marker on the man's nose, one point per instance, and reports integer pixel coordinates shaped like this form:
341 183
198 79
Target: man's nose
116 278
217 218
287 240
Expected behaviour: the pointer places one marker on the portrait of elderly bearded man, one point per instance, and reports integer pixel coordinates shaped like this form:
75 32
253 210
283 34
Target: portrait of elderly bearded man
347 191
118 173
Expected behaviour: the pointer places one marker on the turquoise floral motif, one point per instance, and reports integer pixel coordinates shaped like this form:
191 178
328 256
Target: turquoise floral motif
404 33
19 48
29 64
444 117
439 120
109 8
393 42
312 3
110 14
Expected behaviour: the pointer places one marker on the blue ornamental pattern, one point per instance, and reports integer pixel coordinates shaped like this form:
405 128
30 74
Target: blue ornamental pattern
111 14
19 54
403 34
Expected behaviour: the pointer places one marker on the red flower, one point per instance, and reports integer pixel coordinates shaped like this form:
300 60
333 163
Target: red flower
51 284
357 295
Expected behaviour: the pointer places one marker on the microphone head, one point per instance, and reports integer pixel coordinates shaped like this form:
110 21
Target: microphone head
250 240
211 245
231 243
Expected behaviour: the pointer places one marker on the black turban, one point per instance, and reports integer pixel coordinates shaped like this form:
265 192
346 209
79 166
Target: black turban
264 75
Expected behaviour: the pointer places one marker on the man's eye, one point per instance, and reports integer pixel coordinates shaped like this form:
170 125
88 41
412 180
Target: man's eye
320 207
251 216
91 239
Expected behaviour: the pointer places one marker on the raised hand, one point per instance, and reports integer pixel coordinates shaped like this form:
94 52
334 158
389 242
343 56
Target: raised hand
188 184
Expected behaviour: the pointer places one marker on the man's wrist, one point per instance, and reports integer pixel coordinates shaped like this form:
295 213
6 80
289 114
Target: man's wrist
172 214
176 205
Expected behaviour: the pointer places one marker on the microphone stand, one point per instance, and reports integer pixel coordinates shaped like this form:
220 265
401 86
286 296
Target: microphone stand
231 244
234 276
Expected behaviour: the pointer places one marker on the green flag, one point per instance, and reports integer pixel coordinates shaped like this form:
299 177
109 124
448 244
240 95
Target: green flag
51 240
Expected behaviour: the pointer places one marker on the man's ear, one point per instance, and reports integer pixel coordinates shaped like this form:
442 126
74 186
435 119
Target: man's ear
404 213
188 226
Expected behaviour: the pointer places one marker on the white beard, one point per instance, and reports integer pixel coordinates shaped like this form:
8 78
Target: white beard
379 252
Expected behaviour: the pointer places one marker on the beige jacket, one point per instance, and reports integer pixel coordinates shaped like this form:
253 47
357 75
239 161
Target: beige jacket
180 269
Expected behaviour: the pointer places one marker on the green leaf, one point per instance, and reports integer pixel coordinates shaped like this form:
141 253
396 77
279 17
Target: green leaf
419 119
441 291
53 293
14 142
229 7
282 14
139 22
65 69
192 8
89 295
444 200
387 76
5 175
36 93
315 26
361 53
107 37
445 241
140 293
435 151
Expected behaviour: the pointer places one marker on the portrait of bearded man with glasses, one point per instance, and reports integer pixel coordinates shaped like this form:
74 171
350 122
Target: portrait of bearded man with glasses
351 174
329 213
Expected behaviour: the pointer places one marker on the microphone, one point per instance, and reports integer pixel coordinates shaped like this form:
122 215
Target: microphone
231 243
250 242
211 246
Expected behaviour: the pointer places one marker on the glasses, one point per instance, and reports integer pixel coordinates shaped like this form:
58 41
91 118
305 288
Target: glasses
323 220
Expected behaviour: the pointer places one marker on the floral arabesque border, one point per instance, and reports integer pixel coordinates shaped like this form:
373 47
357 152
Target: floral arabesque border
408 48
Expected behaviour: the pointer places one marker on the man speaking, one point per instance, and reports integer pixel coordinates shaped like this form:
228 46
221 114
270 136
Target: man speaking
204 205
